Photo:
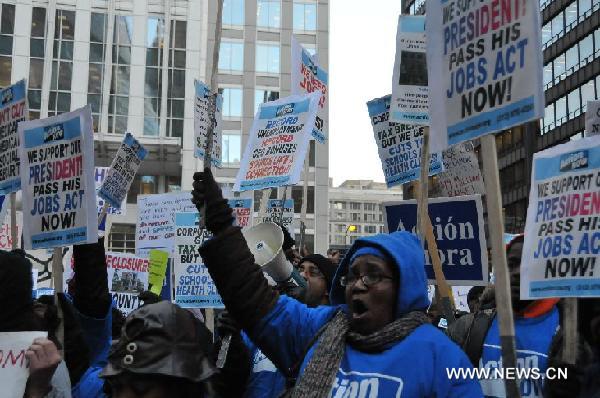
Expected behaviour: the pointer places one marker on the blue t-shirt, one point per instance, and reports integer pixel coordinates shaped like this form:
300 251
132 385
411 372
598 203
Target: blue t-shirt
413 367
533 337
265 380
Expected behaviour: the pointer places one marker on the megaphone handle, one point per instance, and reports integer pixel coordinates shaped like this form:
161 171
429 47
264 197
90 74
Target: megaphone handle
222 357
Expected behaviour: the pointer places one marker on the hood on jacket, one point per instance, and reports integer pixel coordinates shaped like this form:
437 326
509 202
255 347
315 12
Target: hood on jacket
405 251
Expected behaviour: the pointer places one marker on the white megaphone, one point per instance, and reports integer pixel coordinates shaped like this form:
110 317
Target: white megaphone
264 241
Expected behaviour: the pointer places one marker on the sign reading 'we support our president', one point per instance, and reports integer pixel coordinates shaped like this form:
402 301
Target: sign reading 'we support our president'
57 174
278 143
562 232
485 67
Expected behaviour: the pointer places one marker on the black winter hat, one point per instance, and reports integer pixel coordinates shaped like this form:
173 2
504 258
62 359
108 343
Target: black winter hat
16 287
162 339
325 265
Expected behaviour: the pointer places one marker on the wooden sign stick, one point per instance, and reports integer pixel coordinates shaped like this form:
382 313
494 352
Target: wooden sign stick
13 220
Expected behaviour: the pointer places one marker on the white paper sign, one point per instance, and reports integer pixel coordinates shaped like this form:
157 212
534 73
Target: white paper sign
127 278
202 120
461 175
410 93
13 109
100 174
561 251
57 172
308 77
485 67
592 118
15 367
278 143
280 212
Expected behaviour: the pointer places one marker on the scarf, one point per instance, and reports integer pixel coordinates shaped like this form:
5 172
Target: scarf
318 376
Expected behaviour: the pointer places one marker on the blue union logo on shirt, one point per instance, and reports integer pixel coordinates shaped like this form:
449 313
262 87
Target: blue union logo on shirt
368 385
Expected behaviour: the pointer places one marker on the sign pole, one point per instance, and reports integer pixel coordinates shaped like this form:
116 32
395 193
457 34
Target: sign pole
13 219
103 212
57 280
304 204
570 322
496 231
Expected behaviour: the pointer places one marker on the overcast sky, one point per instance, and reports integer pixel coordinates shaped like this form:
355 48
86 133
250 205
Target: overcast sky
361 60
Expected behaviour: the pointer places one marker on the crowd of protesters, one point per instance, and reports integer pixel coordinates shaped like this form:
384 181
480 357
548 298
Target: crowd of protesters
362 327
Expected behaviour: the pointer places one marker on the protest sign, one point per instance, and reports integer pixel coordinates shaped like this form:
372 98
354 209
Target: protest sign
3 207
278 143
57 171
194 288
307 77
242 210
461 175
592 118
15 367
458 229
410 93
157 270
13 109
459 294
280 212
44 291
562 232
127 278
399 145
122 171
100 174
155 228
485 67
202 119
6 239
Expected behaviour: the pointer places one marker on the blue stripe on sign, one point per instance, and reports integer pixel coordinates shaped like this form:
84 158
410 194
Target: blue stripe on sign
187 219
411 116
307 61
59 238
550 167
262 183
379 105
8 186
492 121
35 137
295 108
565 288
412 24
14 93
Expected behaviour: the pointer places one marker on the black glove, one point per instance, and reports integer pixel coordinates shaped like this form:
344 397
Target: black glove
206 191
225 324
149 298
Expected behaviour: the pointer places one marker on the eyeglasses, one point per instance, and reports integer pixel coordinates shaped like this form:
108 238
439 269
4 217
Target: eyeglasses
311 271
369 279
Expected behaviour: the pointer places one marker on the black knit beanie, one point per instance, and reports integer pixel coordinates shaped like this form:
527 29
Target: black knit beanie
325 265
16 287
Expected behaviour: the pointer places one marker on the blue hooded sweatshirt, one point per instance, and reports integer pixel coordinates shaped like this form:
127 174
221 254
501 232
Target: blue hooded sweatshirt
265 380
414 367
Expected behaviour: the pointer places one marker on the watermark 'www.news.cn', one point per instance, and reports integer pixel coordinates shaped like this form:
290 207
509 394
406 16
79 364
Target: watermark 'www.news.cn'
506 373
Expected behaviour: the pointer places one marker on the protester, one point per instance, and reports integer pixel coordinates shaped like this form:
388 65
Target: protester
318 272
473 298
376 336
161 353
536 323
333 255
49 376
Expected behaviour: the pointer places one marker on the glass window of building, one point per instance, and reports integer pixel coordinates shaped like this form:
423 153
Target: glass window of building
558 24
231 56
98 30
548 117
547 73
588 92
233 13
267 58
268 14
264 95
574 102
584 6
297 196
311 153
232 102
571 13
597 39
118 105
559 67
62 63
173 184
305 16
7 30
231 148
586 49
546 33
153 79
311 48
176 90
572 59
37 48
122 238
560 110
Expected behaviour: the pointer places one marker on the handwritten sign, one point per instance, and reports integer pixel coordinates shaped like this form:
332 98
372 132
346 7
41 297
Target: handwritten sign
14 367
410 93
592 118
562 232
278 143
399 145
194 288
157 270
57 171
280 212
308 77
461 175
122 171
13 109
203 119
242 210
458 229
485 74
127 278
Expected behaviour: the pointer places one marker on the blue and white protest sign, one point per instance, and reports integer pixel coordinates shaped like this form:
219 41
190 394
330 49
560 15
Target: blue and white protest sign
13 109
308 77
458 229
202 120
122 171
280 212
194 288
57 180
399 145
410 93
484 66
127 278
278 143
562 232
242 210
100 174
